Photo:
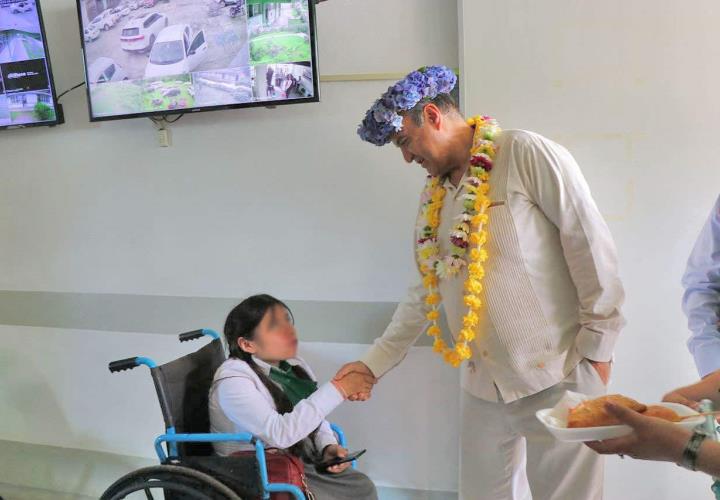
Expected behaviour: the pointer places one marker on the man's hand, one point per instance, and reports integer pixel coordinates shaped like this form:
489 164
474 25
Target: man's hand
652 438
333 451
603 368
359 367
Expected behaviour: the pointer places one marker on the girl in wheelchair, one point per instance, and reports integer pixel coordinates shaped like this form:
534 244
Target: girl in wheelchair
263 388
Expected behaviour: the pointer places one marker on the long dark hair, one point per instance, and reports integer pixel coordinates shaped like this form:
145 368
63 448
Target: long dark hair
242 323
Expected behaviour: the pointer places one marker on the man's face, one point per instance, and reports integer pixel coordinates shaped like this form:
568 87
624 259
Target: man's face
424 145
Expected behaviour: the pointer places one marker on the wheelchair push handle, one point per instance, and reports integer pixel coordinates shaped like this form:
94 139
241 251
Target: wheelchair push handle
196 334
130 363
188 336
122 364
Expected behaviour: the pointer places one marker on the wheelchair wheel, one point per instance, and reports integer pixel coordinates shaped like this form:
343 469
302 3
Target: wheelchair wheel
168 482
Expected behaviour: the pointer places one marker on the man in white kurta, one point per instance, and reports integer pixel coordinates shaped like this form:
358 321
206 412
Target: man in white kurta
550 323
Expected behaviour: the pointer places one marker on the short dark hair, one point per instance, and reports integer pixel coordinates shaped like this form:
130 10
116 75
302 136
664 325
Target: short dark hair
445 102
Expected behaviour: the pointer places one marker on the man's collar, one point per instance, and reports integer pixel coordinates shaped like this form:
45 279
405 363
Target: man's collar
449 185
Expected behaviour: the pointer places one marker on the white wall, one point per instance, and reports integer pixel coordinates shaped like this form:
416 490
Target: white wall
287 201
248 200
238 190
631 89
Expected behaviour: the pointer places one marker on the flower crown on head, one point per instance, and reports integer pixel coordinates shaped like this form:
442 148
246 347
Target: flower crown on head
383 119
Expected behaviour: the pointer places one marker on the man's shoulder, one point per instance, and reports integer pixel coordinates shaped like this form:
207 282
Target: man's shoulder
525 144
522 137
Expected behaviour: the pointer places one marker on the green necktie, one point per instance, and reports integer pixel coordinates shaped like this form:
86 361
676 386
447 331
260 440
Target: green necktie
294 387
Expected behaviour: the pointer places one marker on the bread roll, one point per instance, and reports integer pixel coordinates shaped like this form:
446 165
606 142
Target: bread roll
592 413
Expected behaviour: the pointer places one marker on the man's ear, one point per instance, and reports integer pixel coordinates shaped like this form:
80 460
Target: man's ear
432 115
246 345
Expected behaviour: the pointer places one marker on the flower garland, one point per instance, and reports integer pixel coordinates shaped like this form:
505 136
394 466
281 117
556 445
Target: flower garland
467 239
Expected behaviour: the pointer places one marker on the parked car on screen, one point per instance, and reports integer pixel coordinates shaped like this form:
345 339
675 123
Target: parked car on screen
104 21
176 51
105 69
140 34
91 33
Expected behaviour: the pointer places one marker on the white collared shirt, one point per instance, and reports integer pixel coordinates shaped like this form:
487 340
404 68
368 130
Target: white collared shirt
240 402
552 291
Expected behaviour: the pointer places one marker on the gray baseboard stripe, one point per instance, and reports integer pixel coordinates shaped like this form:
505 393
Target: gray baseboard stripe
318 321
75 472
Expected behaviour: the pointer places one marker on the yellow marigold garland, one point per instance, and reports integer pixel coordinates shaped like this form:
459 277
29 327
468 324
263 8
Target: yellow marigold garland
468 234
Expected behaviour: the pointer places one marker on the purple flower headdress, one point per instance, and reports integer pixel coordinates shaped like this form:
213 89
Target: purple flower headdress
383 119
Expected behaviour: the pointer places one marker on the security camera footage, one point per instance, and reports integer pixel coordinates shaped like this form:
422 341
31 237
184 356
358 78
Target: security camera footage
26 94
145 57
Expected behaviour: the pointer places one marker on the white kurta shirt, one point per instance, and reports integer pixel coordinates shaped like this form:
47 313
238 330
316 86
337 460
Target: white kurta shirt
552 291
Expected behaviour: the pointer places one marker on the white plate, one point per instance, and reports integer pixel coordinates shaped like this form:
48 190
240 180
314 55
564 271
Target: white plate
576 435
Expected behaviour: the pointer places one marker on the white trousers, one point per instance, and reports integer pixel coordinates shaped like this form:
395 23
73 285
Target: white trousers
507 454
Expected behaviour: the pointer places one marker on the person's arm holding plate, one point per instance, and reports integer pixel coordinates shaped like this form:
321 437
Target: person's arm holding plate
659 440
654 439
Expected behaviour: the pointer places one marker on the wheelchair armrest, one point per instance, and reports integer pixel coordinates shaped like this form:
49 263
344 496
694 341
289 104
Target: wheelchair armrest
198 438
340 434
241 437
342 441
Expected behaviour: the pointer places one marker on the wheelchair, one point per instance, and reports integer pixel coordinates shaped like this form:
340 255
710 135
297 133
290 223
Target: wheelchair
188 468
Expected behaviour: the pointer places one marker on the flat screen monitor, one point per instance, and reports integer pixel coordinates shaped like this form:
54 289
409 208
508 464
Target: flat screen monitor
160 57
27 91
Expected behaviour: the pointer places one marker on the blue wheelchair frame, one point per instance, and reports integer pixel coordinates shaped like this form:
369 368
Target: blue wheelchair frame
171 438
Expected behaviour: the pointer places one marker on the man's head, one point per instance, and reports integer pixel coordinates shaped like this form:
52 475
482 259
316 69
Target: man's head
429 135
420 116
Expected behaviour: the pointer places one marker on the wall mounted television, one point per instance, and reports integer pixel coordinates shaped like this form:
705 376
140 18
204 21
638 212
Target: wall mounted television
147 58
27 91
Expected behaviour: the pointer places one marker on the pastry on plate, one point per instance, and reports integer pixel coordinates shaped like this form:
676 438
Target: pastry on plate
592 413
662 412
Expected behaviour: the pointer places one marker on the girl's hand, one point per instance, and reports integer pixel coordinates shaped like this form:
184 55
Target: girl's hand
332 451
355 383
652 438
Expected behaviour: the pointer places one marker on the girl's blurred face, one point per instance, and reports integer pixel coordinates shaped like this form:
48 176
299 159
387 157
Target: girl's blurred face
275 337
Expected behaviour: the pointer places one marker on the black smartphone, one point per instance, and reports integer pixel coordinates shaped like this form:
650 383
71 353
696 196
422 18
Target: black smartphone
323 466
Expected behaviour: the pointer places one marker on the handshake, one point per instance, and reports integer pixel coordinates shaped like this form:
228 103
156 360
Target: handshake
355 381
